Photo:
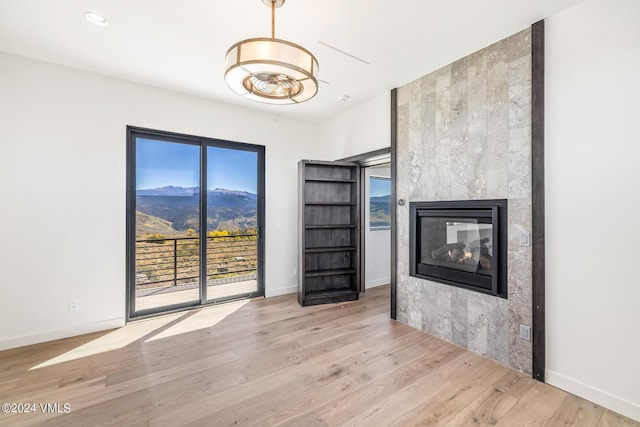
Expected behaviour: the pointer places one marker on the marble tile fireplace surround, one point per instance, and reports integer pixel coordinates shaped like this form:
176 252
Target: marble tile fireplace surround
464 133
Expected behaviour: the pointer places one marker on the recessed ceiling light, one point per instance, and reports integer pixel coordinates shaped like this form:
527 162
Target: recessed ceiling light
95 18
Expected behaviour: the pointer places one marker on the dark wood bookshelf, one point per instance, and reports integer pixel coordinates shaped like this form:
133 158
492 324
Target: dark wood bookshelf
329 232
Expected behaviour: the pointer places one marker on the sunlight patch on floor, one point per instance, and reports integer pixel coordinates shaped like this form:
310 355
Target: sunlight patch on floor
204 318
148 330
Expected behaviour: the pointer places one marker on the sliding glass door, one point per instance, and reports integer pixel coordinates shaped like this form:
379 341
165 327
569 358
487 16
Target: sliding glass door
187 247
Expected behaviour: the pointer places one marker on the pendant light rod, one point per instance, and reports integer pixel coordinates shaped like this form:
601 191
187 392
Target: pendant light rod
273 4
273 19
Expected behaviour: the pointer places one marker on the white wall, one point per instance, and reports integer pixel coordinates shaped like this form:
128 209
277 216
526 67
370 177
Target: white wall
361 129
593 202
377 242
62 197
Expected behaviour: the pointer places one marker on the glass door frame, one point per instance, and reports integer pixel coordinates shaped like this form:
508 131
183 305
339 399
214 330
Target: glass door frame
133 133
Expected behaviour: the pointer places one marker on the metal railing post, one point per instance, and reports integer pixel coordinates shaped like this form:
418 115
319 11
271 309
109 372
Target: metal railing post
175 262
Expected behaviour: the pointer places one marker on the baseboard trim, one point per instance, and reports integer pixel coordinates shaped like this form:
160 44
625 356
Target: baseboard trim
71 331
281 291
593 394
375 283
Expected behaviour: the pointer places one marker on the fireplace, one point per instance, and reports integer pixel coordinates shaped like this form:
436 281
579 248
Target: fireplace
460 243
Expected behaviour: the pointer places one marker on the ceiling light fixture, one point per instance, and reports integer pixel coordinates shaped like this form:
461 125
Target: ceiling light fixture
95 18
271 70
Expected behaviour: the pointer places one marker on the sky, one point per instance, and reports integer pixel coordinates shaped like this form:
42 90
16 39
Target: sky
380 187
160 164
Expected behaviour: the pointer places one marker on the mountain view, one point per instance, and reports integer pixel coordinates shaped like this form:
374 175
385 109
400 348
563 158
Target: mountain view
173 210
380 211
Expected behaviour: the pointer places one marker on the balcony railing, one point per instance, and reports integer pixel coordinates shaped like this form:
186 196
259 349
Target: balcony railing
175 261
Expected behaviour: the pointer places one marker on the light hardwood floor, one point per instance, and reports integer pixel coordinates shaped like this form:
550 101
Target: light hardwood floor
271 362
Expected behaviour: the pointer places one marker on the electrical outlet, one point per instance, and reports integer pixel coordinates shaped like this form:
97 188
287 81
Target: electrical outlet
525 333
74 304
525 239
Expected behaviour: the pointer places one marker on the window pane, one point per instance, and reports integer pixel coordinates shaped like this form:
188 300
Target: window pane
232 209
379 203
167 225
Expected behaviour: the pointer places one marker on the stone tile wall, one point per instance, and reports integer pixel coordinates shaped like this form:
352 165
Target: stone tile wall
464 132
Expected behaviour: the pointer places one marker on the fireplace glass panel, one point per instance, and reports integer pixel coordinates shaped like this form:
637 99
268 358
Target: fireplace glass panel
464 244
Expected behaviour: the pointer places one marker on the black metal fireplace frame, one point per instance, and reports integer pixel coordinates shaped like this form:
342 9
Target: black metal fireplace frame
496 209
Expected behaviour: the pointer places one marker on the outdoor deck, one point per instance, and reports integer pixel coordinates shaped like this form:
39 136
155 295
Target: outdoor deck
168 295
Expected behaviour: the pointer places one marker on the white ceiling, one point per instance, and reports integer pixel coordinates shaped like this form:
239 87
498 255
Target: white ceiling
181 44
